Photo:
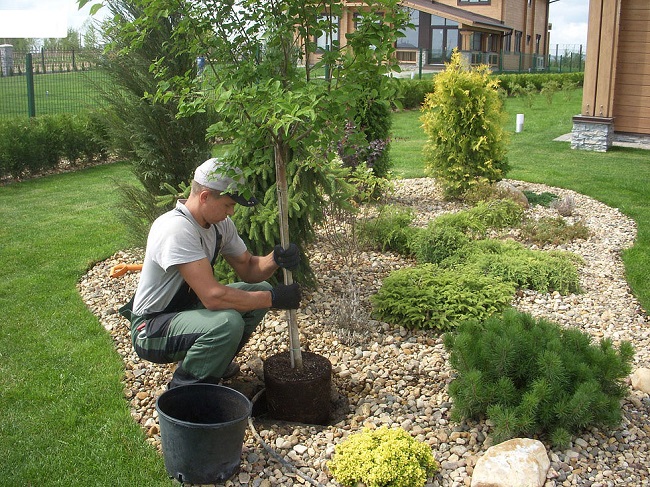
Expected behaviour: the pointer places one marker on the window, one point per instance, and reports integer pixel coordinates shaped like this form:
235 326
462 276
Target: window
435 20
482 2
330 33
477 40
493 43
538 41
441 21
507 42
518 35
411 39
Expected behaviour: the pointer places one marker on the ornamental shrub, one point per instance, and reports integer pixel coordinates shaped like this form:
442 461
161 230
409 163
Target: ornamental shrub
44 142
544 199
437 243
463 121
512 262
389 230
497 214
485 215
386 457
554 231
430 297
532 377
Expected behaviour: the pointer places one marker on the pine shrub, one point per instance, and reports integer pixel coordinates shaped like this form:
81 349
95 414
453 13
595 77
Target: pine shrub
429 297
543 199
532 377
437 242
554 231
390 230
497 214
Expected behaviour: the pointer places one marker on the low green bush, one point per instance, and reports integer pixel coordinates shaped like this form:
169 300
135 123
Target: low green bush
554 231
437 243
41 143
497 214
533 377
413 92
510 81
528 92
543 199
512 262
430 297
477 220
549 88
463 222
385 457
389 230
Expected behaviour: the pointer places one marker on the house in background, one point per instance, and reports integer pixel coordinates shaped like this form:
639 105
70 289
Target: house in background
616 95
506 34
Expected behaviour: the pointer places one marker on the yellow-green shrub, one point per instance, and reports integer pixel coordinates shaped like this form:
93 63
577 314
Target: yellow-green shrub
430 297
463 120
382 458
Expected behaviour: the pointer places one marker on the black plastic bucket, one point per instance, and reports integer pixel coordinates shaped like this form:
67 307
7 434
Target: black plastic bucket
202 429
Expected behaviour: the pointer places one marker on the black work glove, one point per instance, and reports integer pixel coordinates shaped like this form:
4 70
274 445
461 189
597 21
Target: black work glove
288 258
285 297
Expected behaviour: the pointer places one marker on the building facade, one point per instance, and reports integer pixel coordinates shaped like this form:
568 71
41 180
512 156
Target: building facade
506 34
616 95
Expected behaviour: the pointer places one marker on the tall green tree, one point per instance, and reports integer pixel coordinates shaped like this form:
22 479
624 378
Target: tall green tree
281 120
21 45
163 146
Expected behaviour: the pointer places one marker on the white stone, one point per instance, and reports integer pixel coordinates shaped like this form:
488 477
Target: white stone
520 462
641 379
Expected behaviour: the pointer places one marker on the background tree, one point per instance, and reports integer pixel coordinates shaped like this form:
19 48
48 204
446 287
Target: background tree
163 147
21 45
67 43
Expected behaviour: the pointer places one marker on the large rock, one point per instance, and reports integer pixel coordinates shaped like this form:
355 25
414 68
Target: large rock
515 193
520 462
641 380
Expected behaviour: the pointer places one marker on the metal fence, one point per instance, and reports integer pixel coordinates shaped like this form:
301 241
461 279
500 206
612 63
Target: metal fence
566 58
48 82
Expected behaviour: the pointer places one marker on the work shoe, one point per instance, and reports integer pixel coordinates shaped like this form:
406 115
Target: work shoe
231 371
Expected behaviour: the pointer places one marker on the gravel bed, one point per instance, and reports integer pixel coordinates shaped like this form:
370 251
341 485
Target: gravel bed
385 375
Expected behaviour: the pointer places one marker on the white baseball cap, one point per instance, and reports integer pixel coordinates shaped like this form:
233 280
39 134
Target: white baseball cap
212 174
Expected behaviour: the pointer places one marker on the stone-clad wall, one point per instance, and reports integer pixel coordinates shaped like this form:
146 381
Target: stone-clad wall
588 134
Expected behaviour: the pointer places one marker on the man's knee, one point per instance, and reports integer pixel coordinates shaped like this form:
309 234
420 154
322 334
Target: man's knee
228 331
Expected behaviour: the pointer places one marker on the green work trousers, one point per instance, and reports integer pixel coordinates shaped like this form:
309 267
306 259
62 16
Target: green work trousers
205 341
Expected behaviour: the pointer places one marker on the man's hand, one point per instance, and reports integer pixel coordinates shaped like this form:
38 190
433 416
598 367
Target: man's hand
285 297
288 258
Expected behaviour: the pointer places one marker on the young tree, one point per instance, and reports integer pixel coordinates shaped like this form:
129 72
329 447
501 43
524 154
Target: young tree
281 120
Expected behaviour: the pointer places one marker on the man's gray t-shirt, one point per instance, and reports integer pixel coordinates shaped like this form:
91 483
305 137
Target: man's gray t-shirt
176 238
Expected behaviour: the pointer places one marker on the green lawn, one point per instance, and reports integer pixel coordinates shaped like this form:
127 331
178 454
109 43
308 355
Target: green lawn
65 420
619 178
53 93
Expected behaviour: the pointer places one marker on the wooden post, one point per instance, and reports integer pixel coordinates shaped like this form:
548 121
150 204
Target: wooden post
281 156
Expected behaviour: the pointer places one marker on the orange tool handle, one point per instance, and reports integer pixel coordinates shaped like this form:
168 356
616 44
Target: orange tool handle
121 269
